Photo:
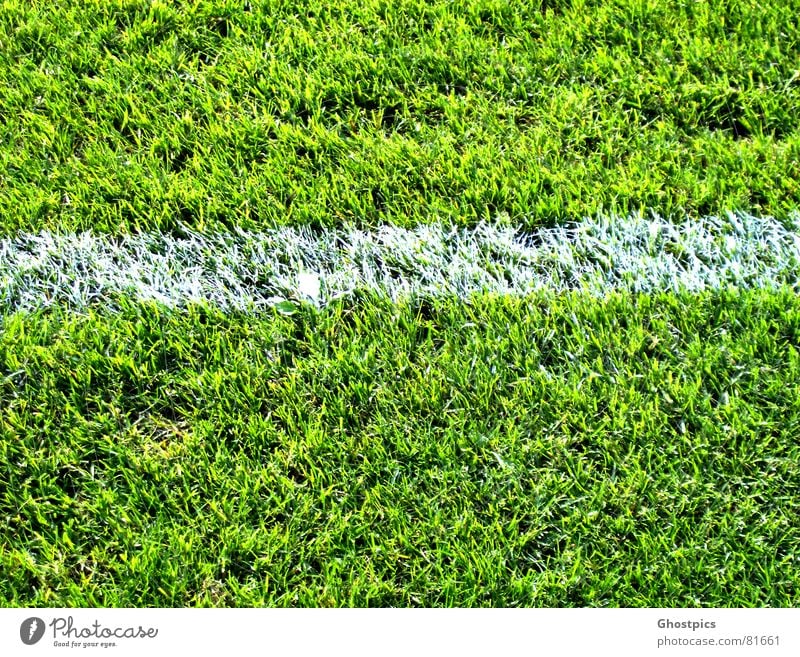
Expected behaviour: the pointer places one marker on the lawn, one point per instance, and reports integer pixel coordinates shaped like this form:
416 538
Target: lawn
127 115
506 452
412 439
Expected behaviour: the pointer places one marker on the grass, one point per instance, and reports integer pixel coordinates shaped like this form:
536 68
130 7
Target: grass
126 115
547 451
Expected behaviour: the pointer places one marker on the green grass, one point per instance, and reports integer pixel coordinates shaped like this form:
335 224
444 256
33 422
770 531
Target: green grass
636 451
126 115
553 450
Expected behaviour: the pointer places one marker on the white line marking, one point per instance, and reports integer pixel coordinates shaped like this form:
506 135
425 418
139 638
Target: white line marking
249 271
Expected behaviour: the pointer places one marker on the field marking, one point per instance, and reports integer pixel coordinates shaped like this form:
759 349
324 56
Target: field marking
251 271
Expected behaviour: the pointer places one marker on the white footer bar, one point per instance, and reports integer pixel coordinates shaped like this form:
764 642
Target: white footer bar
368 632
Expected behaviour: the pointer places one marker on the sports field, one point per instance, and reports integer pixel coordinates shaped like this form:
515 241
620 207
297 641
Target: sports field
372 302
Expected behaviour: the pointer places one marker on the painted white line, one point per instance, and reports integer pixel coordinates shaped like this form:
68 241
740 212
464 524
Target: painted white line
249 271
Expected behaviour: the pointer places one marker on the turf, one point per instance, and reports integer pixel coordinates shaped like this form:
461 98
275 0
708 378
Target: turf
126 115
547 448
548 451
